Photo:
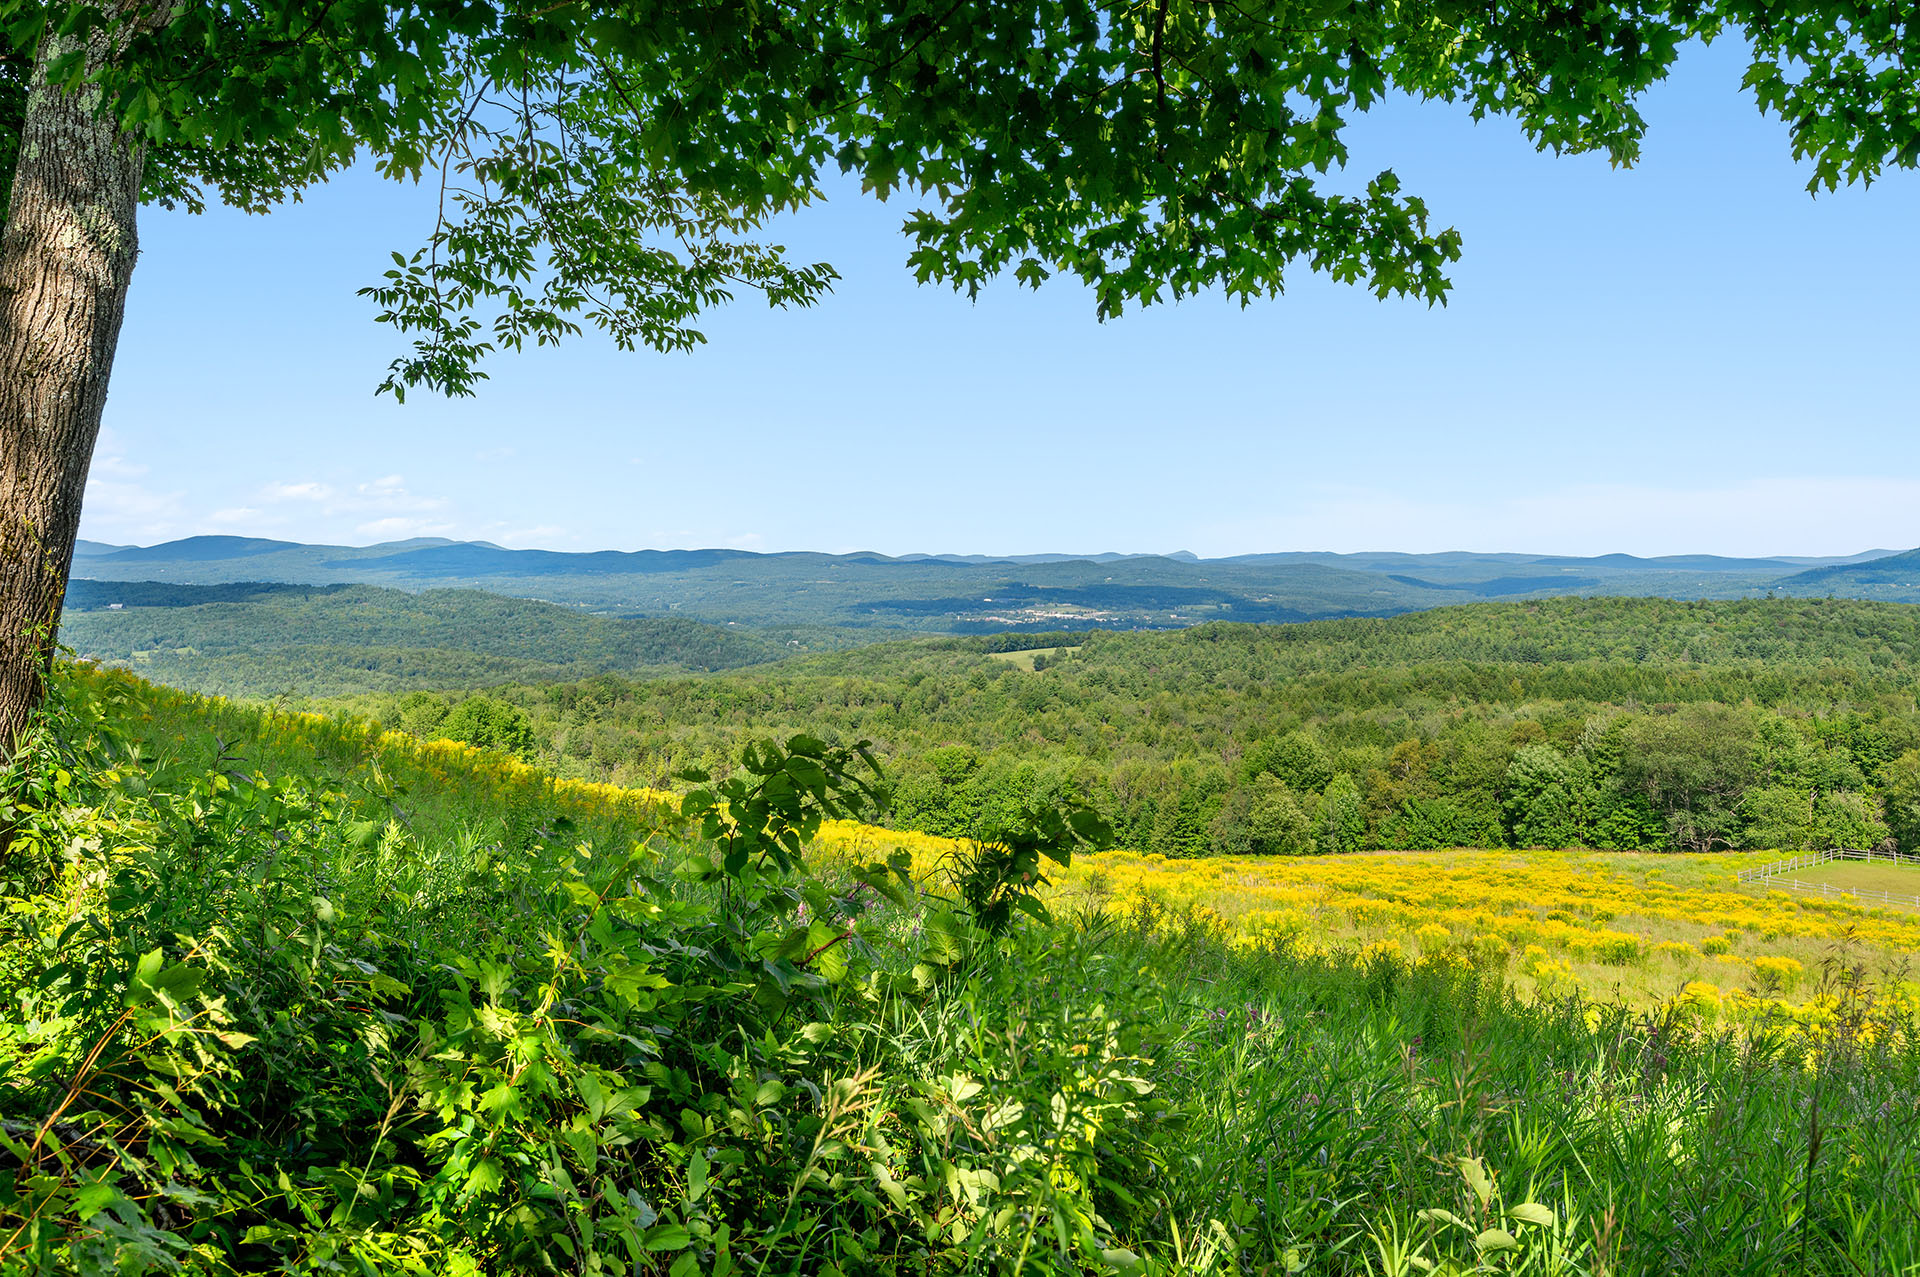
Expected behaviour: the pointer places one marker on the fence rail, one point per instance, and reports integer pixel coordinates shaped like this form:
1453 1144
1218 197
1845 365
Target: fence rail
1779 873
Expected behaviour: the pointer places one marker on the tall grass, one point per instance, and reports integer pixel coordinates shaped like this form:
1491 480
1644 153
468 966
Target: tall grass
288 1004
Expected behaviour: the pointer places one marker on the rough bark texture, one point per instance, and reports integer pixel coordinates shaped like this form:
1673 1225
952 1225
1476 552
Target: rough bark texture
65 261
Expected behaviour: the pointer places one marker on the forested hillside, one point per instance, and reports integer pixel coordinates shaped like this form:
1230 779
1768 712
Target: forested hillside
955 594
266 639
1613 723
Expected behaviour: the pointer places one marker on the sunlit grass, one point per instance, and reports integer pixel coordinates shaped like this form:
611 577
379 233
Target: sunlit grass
1221 1067
1851 875
1634 927
1641 928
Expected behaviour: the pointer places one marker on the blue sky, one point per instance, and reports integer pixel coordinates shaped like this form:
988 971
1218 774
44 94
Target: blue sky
1692 355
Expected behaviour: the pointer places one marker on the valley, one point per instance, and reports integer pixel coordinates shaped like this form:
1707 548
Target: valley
980 594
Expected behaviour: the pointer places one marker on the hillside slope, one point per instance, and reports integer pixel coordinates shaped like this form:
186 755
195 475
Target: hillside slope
270 639
1603 722
1893 576
296 997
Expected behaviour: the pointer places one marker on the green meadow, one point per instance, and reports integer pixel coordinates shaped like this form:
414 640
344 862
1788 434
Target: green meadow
294 997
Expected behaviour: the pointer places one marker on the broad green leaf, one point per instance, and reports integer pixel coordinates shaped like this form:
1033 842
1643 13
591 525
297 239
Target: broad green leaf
1532 1213
667 1237
592 1094
484 1176
90 1199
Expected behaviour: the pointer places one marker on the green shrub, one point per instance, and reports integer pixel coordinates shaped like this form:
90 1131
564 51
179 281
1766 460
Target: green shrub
284 1023
486 723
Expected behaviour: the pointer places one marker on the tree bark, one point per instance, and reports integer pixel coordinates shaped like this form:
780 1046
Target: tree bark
66 258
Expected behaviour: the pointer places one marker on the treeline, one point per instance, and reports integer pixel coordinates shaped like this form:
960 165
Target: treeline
1616 723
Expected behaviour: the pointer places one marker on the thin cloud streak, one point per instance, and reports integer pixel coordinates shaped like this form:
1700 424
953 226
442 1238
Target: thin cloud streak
1744 518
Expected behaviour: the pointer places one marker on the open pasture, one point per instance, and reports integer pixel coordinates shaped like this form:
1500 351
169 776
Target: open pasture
1878 880
1023 660
1638 928
1647 929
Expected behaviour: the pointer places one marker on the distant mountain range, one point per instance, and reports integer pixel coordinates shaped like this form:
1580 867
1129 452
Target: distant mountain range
977 593
1869 577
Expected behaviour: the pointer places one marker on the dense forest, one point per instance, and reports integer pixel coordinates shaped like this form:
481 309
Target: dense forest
267 639
1612 723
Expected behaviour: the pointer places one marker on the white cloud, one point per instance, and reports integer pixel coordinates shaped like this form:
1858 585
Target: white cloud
382 508
311 509
309 491
390 493
119 511
398 527
116 466
110 458
1748 517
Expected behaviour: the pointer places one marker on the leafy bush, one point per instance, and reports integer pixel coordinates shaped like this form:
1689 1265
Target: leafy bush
486 723
271 1022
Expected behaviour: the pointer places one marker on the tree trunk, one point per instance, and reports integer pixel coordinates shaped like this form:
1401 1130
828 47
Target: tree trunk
65 261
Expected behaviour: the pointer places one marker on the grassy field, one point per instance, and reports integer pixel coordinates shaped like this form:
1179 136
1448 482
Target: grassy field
299 997
1644 929
1024 660
1853 875
1647 930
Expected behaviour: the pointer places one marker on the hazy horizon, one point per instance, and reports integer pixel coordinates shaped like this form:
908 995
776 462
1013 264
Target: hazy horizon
1788 556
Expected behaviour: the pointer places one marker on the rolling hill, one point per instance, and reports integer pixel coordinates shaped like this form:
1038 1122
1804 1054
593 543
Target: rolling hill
965 594
1651 723
273 638
1894 577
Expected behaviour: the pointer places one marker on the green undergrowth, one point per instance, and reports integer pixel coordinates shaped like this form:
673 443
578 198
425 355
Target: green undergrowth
277 1015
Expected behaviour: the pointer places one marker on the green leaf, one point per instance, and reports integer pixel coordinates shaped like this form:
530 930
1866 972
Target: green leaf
485 1176
592 1094
666 1237
1496 1239
144 973
830 963
1474 1171
180 981
90 1199
629 982
1532 1213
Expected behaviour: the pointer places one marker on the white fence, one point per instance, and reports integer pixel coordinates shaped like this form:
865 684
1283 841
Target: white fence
1779 875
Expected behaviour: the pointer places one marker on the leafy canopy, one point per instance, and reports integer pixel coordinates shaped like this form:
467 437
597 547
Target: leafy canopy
608 163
